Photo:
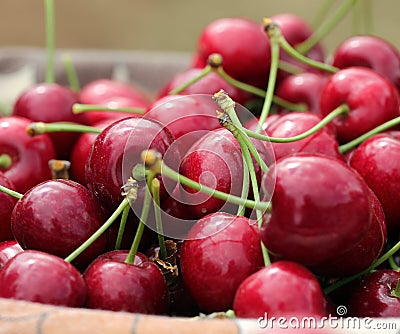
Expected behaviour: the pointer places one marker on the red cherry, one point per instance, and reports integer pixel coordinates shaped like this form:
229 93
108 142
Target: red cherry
74 217
8 249
115 285
30 155
372 100
320 209
369 51
111 93
282 289
51 102
243 46
221 250
7 204
43 278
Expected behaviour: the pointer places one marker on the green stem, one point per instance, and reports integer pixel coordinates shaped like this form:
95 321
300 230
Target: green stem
323 11
207 70
393 264
155 191
289 105
38 128
78 108
50 40
130 259
71 73
343 109
326 27
245 189
396 291
10 192
377 263
355 142
5 161
274 34
98 233
121 228
289 68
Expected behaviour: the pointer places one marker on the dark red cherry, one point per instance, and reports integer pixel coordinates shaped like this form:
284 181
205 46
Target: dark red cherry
51 102
7 204
282 289
372 52
372 100
42 278
221 250
56 217
320 209
29 155
8 249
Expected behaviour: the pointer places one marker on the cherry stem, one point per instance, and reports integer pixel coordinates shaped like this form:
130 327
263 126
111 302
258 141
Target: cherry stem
50 40
5 161
289 68
377 263
207 70
359 140
59 169
78 108
157 166
72 75
323 11
121 228
39 128
393 264
274 34
396 291
10 192
155 191
343 109
99 232
130 259
326 27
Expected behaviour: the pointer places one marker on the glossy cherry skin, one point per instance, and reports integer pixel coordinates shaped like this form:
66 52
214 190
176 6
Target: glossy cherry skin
43 278
372 52
372 99
8 249
115 285
111 93
296 30
216 161
243 46
30 155
281 289
377 162
56 217
221 250
304 88
7 204
320 209
51 102
371 297
210 84
293 124
116 151
363 253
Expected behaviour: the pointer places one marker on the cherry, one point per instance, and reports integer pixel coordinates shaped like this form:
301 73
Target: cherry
209 84
7 204
8 249
111 93
372 99
113 284
304 88
320 209
376 159
243 46
51 102
281 289
372 52
295 30
290 125
372 296
117 150
74 216
220 251
43 278
29 156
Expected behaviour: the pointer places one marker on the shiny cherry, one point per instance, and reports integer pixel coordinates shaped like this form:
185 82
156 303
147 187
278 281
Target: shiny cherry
8 249
7 204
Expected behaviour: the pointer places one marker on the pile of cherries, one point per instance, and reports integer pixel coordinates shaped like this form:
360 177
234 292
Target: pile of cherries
172 208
